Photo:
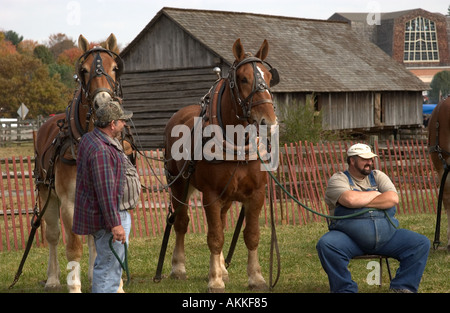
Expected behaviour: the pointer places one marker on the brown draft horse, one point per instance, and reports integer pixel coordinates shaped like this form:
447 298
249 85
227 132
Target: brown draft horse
55 143
439 148
246 99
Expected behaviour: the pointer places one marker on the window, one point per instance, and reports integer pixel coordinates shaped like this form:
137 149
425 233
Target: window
420 41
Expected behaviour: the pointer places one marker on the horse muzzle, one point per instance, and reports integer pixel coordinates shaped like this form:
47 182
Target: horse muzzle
101 97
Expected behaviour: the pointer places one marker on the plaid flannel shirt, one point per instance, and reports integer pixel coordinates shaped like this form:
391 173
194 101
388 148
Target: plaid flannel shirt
99 187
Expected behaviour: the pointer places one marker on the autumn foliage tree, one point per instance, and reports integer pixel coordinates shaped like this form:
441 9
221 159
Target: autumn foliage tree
40 76
25 79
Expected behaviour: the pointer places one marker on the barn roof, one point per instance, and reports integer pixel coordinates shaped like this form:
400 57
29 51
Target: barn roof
310 55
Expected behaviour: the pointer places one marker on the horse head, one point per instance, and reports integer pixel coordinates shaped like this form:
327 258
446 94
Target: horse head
99 71
250 80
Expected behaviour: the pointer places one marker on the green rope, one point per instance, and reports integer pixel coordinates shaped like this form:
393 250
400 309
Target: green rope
123 264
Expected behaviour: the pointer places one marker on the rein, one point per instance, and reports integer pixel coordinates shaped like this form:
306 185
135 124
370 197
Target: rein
35 223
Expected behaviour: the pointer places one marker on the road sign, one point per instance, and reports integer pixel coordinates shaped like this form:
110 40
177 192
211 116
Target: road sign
22 111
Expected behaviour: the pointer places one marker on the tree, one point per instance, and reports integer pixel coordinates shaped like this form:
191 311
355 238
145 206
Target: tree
44 54
26 79
60 42
301 122
7 48
440 86
65 73
14 37
27 46
69 56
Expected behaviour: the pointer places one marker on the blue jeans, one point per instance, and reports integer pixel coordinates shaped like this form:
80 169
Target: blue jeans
372 234
107 269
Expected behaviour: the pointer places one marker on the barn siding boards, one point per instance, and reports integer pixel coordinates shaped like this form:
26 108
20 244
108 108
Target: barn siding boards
358 110
154 96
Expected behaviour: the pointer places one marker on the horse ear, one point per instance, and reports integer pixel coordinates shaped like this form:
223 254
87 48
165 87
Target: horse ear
263 51
238 50
111 43
83 44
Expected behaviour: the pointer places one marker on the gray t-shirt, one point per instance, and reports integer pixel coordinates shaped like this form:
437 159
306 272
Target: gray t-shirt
339 183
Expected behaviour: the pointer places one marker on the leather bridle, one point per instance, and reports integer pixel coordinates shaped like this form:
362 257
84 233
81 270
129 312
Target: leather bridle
98 70
259 85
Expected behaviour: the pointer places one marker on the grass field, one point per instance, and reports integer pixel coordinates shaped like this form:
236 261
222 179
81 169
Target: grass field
301 271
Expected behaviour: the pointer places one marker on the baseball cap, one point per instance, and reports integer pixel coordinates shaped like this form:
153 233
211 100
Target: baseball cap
112 111
361 150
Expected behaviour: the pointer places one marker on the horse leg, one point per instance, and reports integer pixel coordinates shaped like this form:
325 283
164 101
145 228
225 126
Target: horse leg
181 226
251 238
74 248
223 217
52 232
215 239
65 188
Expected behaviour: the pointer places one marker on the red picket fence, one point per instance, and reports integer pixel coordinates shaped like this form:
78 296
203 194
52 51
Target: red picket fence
303 171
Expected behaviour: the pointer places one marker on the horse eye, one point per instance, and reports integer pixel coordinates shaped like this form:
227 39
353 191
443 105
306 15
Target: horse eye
244 80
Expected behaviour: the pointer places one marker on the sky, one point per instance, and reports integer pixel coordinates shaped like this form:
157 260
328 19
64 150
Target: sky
96 19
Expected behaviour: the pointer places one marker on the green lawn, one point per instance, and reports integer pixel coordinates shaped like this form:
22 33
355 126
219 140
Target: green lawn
301 271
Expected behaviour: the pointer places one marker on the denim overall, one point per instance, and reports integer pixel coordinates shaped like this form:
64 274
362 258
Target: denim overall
370 230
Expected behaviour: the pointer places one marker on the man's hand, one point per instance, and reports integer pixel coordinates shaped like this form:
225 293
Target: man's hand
118 234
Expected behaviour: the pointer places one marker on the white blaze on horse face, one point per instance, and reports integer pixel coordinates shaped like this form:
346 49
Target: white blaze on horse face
260 71
262 75
102 98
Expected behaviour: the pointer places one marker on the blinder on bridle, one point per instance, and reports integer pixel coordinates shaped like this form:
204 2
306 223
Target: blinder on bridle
97 70
259 85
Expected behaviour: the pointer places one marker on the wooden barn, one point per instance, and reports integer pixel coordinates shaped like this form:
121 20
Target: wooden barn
357 86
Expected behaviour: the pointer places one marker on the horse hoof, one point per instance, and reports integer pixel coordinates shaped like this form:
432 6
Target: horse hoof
75 289
52 286
225 278
178 276
216 290
259 287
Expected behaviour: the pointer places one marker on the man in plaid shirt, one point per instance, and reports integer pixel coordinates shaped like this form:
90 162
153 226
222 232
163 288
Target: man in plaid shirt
107 187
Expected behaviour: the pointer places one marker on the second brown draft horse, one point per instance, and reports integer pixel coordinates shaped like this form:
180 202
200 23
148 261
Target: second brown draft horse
244 98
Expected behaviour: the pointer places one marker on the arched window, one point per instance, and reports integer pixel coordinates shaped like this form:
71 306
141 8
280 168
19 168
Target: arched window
421 43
